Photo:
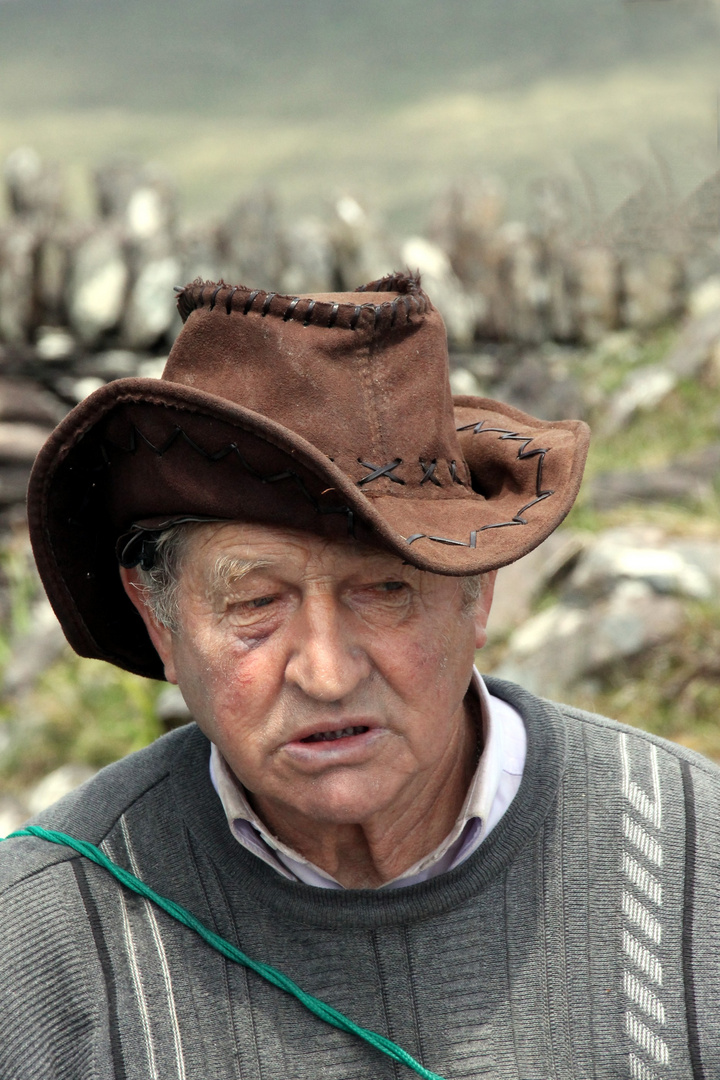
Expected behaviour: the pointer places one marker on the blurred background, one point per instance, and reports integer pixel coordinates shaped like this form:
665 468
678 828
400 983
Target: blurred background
552 167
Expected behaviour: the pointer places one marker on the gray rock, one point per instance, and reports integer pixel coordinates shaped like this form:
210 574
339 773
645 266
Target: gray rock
34 187
536 388
98 285
109 365
21 442
652 287
694 347
13 483
596 274
34 652
687 480
362 250
13 813
18 244
609 490
54 345
564 644
22 400
642 391
607 562
56 784
309 258
171 709
151 309
253 242
463 382
76 390
200 255
462 222
461 310
518 585
703 554
142 198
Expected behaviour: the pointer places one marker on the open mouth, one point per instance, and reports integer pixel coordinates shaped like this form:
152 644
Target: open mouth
331 736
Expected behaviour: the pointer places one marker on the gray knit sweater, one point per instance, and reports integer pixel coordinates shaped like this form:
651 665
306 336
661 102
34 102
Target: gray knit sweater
582 939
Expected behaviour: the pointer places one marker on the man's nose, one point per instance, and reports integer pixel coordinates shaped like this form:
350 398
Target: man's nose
326 662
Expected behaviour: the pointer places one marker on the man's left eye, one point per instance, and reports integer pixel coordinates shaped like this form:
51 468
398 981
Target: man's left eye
261 601
392 586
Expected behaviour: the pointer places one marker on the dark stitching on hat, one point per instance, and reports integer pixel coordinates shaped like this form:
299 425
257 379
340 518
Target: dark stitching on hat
268 301
250 301
291 308
523 454
380 470
228 302
453 473
333 316
308 313
215 291
220 455
378 313
355 317
429 473
444 540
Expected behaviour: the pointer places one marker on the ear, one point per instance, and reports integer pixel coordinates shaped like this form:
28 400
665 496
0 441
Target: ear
482 608
161 636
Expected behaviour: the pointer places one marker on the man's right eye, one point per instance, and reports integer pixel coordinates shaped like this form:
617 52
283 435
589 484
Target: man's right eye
262 601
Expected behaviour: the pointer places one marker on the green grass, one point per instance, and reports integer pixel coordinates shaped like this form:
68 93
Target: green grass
83 711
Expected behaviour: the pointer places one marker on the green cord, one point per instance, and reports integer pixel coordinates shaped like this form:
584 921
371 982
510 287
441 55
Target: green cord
319 1008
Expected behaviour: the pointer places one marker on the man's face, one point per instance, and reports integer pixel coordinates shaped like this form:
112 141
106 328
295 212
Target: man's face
331 676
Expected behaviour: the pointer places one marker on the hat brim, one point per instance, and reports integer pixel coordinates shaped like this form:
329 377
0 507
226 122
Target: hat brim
525 476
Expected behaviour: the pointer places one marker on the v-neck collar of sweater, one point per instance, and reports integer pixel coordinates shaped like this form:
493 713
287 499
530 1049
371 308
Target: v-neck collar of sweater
200 806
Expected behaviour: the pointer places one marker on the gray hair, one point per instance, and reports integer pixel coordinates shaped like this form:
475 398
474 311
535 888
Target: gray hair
159 585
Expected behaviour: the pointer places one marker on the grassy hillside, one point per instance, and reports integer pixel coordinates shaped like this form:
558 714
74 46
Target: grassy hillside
393 99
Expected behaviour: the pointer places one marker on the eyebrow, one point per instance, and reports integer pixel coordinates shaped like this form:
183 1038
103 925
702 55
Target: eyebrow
229 569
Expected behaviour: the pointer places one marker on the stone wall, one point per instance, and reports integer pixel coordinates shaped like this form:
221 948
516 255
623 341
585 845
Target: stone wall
107 282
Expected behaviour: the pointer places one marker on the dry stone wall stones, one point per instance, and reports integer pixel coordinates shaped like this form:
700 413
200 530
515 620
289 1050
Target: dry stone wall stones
598 289
151 311
18 247
140 198
25 401
34 188
34 651
56 784
460 311
611 560
310 258
361 250
252 242
564 644
652 289
98 285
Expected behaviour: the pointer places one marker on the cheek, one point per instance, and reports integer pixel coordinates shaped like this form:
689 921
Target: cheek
226 683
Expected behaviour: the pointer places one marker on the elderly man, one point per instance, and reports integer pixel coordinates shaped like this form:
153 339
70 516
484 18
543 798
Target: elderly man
361 861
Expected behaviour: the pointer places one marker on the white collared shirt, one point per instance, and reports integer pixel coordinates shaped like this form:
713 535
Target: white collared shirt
492 789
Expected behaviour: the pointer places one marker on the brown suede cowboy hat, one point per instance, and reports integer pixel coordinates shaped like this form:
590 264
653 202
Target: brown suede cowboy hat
331 413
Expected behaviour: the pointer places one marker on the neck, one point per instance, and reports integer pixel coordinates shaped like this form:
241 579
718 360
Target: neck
368 854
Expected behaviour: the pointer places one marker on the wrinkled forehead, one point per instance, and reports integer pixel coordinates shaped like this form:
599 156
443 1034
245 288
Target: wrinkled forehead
213 545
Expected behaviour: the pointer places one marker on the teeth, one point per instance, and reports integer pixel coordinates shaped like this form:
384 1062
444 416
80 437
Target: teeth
329 736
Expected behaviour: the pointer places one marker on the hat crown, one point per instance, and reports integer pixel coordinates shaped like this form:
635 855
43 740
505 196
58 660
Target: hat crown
361 376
